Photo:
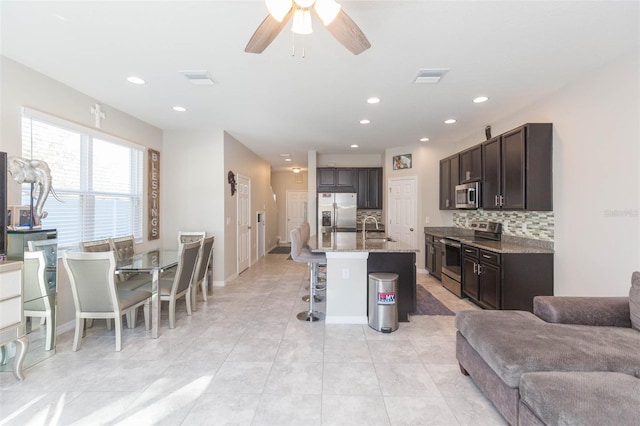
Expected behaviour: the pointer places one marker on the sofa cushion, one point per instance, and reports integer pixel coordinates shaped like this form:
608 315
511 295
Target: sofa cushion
582 398
634 300
516 342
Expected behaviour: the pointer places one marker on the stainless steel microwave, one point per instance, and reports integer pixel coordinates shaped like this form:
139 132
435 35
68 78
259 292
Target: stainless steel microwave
468 196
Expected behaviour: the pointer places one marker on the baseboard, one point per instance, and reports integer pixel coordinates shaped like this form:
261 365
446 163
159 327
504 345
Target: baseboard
346 320
67 326
422 271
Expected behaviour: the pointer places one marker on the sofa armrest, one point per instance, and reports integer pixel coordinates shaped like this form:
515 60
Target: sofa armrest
597 311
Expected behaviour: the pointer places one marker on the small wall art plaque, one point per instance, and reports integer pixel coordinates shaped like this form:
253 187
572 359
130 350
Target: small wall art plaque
402 162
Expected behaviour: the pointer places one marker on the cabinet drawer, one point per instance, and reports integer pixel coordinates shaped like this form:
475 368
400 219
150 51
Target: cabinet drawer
470 251
10 284
490 257
10 312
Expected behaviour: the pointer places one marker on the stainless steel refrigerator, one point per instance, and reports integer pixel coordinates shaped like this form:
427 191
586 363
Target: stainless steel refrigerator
336 212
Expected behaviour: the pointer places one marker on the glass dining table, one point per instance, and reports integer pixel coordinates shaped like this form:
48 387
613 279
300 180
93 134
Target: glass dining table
153 262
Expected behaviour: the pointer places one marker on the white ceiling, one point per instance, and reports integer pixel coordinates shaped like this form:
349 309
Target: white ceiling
512 51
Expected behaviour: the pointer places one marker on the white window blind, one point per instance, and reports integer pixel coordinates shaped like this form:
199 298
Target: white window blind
98 178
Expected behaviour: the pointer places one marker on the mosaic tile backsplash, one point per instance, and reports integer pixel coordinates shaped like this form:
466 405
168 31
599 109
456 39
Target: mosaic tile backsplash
364 213
538 225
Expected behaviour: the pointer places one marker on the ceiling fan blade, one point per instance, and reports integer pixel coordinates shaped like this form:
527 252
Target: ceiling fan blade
266 32
348 33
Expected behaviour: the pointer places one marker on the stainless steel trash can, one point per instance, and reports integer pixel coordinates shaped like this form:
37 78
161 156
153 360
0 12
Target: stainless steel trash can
383 304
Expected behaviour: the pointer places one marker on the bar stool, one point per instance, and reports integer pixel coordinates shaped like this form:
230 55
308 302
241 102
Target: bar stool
305 233
314 259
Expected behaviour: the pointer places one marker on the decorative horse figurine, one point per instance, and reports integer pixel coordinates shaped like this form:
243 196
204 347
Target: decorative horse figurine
37 173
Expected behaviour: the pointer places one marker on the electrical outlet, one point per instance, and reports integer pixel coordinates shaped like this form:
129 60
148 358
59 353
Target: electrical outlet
524 227
427 220
345 273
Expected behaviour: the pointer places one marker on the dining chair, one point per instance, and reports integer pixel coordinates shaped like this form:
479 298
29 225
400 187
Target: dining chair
96 295
95 245
37 300
190 236
123 246
173 288
200 278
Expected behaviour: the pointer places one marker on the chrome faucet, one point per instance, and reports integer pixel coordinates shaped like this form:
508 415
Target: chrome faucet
364 227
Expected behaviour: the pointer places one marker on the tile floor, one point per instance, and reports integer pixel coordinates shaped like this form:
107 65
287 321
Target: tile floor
243 358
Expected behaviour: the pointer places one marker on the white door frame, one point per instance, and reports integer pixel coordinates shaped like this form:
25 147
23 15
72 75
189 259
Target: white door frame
249 221
414 225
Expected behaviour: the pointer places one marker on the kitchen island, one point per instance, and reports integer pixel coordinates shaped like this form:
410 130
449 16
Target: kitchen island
350 260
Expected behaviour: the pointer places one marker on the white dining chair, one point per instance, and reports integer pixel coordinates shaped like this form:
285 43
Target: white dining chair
95 294
37 300
172 289
200 278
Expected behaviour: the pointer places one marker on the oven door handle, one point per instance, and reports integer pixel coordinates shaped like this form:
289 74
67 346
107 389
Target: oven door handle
451 243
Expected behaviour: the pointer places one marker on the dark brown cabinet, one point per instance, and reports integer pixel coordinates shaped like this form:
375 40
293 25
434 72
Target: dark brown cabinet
506 280
369 188
471 164
433 255
449 178
517 169
332 179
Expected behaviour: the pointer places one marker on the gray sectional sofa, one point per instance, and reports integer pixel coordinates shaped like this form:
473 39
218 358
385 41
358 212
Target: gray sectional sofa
574 361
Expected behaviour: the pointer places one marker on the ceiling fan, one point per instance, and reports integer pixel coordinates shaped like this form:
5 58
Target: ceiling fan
339 24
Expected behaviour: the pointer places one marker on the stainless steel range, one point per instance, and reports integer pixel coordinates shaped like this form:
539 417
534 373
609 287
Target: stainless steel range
452 253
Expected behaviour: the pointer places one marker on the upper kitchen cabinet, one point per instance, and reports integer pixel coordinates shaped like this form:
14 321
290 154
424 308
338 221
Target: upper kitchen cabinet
449 178
369 188
332 179
471 165
517 169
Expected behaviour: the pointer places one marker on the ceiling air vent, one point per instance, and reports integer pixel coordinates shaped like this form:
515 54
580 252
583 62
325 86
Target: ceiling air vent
199 78
430 76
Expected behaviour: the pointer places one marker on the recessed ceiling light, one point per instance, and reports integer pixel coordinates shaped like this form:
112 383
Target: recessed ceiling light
449 121
354 145
135 80
287 159
365 121
424 139
480 99
179 108
373 100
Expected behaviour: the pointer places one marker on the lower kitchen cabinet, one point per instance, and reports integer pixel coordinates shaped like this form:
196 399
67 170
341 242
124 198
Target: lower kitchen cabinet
433 255
506 280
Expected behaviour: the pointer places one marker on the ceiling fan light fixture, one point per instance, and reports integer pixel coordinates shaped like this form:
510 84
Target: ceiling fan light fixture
278 8
301 21
304 4
327 10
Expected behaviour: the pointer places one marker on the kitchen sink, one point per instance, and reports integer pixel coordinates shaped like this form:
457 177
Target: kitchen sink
379 239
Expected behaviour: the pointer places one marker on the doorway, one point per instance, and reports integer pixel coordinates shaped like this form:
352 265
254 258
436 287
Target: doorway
403 210
296 210
244 222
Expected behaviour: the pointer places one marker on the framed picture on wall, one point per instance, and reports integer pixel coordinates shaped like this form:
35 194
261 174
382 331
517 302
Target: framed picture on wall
21 216
402 162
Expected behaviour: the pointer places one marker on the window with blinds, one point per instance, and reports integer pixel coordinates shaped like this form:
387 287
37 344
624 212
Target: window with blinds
97 178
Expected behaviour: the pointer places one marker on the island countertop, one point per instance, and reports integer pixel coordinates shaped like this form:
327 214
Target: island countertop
352 242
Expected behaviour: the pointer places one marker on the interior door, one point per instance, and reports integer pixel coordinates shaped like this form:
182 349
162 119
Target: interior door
244 222
403 210
296 210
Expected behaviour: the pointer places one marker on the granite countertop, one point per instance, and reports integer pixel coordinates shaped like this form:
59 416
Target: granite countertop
508 244
352 242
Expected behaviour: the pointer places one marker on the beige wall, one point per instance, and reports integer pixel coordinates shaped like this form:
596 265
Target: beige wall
596 181
241 160
22 86
283 181
192 183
